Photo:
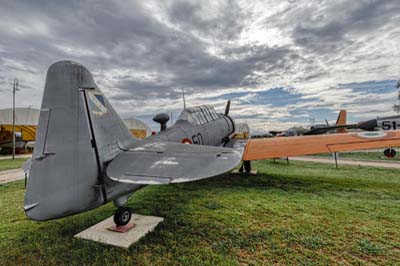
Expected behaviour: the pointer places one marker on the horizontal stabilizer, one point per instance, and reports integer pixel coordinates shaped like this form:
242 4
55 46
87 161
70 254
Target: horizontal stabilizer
150 163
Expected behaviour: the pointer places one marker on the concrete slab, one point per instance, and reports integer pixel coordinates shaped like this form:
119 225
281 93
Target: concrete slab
100 232
252 172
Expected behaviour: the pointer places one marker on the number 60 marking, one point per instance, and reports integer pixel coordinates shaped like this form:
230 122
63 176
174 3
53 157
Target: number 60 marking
197 139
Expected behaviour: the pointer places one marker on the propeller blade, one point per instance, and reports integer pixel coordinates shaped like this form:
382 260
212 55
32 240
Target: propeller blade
228 106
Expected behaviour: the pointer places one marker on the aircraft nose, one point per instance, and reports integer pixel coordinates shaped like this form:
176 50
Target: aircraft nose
368 125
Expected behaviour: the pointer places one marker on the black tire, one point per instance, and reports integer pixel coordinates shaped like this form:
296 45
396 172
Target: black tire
122 216
390 153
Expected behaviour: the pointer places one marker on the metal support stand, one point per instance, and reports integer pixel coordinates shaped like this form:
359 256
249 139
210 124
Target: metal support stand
15 88
287 160
245 168
335 156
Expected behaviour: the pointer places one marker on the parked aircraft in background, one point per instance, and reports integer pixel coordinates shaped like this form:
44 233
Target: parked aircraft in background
382 123
339 127
85 156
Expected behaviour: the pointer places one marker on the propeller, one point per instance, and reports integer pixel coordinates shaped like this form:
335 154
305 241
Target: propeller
228 106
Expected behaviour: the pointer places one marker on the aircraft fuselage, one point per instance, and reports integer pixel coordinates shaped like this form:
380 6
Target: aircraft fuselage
199 125
384 123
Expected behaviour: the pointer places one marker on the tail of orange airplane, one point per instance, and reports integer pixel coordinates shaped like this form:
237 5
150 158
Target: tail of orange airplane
341 120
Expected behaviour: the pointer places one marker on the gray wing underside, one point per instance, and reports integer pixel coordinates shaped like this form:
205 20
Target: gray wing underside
150 163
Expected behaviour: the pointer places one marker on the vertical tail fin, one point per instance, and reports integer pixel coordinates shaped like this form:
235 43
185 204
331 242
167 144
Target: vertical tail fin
183 98
342 120
78 132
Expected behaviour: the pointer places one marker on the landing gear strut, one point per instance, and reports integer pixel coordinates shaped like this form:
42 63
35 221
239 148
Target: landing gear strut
246 167
122 216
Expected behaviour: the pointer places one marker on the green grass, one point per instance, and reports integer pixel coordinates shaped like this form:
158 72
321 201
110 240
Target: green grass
8 164
297 214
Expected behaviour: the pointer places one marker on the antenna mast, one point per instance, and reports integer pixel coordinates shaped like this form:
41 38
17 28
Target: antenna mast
183 96
15 88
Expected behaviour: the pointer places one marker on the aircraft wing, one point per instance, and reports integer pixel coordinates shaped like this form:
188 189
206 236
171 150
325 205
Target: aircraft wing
159 162
257 149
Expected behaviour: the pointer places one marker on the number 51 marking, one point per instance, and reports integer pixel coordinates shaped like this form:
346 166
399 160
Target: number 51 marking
388 125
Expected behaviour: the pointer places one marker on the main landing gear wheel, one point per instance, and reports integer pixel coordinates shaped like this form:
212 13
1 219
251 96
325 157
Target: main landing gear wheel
122 216
389 153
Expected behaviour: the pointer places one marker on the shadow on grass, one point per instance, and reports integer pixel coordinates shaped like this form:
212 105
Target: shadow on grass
47 241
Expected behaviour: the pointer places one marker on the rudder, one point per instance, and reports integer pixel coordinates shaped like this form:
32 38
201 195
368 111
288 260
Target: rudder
341 121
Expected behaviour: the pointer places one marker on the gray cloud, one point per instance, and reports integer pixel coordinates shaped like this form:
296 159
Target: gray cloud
340 24
142 53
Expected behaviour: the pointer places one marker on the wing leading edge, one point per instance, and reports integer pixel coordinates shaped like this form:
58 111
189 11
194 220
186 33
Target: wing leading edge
257 149
150 163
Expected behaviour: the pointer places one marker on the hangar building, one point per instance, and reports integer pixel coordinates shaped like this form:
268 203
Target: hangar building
242 131
26 121
137 128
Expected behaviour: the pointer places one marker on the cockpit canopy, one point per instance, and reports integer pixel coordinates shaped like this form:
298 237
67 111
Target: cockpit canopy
199 115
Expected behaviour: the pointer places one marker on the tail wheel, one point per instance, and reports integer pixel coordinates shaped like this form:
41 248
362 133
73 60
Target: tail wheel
122 216
390 153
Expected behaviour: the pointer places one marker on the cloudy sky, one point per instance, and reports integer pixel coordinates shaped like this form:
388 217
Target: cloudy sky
282 62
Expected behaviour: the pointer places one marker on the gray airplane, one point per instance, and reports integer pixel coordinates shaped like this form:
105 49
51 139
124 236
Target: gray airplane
85 156
197 125
382 123
340 126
